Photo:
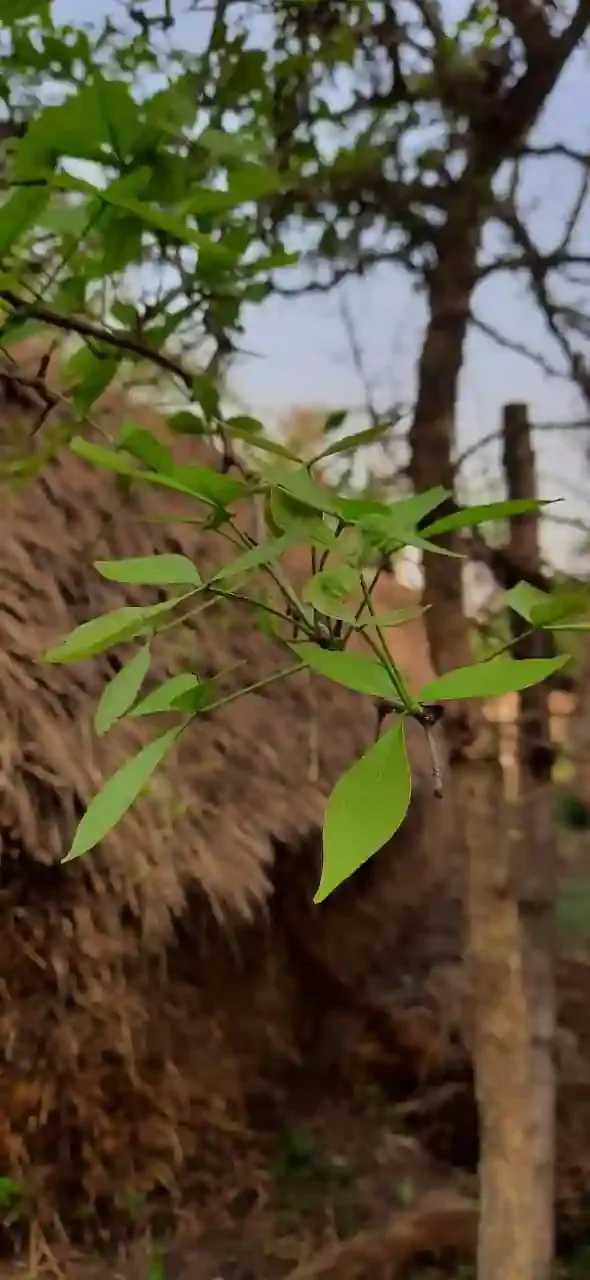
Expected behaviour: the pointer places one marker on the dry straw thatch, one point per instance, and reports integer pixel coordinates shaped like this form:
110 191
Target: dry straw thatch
147 990
174 992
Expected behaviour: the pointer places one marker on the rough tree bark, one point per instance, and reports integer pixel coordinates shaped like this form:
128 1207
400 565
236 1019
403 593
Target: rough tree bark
499 1008
534 857
579 737
502 1030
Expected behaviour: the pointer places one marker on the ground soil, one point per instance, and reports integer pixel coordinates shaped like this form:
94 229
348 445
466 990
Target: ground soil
326 1180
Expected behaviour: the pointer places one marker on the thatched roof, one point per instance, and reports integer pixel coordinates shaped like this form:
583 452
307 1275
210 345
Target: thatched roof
133 1028
259 770
137 1039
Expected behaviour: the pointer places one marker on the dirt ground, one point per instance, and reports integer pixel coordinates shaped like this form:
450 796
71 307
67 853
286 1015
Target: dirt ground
326 1180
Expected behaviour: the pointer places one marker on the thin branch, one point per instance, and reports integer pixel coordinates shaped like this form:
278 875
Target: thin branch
88 329
553 150
519 348
358 361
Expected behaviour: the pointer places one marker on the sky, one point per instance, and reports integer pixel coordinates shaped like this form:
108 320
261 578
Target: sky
302 355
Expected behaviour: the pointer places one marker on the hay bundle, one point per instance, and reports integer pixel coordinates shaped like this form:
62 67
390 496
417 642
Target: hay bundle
150 992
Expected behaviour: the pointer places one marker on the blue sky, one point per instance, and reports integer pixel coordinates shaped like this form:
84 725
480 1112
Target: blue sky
302 350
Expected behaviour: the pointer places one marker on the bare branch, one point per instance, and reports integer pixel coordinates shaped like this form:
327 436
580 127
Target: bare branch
515 112
517 347
358 362
553 151
529 22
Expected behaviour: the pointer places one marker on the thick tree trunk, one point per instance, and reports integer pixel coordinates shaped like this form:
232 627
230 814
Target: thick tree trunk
501 1027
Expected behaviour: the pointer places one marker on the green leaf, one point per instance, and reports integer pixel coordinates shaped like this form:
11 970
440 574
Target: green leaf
366 808
144 446
186 423
262 442
223 145
560 608
406 513
491 679
523 598
165 698
556 611
96 381
263 554
121 692
206 393
209 485
109 630
335 420
265 621
391 618
19 213
573 910
287 513
300 486
363 675
120 793
470 516
13 10
330 590
355 510
358 440
106 459
423 544
214 252
151 571
194 482
250 427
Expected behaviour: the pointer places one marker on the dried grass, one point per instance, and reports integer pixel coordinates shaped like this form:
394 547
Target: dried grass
160 999
152 993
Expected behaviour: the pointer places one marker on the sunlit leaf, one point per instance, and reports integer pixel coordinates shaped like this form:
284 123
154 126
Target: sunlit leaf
164 570
299 485
483 514
144 446
523 598
363 675
562 610
263 442
120 792
19 213
329 592
395 519
122 690
195 482
186 423
491 679
89 374
256 557
101 634
358 440
366 808
166 696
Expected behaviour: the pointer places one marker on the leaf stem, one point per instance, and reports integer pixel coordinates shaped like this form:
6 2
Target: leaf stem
254 688
380 648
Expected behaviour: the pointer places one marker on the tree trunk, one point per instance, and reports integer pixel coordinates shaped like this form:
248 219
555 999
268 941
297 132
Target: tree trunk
500 1028
579 732
535 853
